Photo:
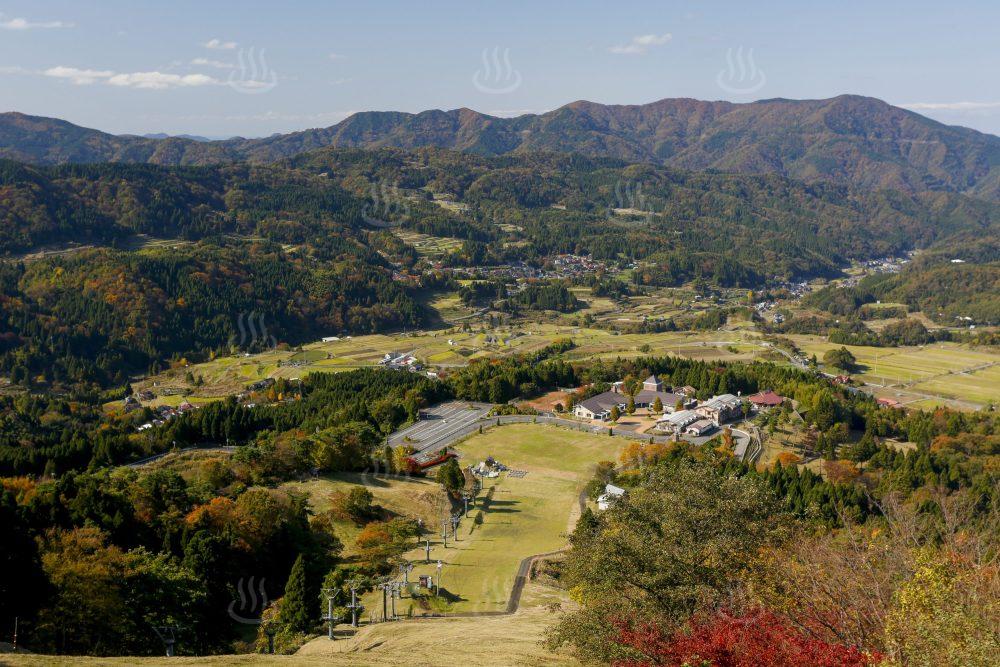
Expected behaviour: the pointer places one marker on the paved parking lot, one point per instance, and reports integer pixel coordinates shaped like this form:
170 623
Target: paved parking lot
441 425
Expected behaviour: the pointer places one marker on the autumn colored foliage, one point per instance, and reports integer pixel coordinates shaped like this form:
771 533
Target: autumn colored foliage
755 639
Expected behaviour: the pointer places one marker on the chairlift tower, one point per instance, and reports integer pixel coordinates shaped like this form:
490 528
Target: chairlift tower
355 606
167 635
270 629
331 594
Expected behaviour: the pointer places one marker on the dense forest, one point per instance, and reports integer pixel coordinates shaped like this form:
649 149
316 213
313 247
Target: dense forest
949 293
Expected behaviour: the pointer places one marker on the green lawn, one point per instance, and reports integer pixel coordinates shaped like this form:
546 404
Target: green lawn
525 516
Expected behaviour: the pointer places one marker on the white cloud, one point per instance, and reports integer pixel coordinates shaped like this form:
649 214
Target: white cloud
337 56
641 44
217 64
160 81
25 24
951 106
147 80
81 77
217 44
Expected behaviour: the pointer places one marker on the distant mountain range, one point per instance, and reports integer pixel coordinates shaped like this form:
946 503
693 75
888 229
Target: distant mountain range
859 141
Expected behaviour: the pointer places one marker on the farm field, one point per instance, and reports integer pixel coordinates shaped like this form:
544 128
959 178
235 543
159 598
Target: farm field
982 386
227 375
947 370
524 516
424 244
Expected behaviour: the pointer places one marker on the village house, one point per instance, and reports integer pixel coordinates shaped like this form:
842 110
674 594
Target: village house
721 409
400 360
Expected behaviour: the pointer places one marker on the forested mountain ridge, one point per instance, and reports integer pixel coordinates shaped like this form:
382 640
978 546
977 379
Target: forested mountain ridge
560 203
848 139
302 242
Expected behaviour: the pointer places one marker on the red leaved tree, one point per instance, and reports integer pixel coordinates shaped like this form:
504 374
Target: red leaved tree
756 639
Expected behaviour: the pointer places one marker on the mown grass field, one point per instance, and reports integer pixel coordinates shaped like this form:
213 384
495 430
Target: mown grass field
504 641
526 516
523 516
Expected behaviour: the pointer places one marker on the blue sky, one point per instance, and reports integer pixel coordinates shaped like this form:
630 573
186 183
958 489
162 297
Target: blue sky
197 67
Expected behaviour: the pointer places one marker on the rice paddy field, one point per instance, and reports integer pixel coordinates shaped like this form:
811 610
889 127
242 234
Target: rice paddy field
429 246
441 349
923 376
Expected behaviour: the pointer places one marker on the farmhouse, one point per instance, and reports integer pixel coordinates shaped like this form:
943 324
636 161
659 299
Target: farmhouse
400 360
721 409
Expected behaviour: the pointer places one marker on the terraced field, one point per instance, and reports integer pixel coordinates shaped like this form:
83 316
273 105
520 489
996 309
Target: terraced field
945 370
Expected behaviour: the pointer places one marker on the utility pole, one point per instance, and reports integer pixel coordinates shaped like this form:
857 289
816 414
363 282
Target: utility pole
427 549
437 580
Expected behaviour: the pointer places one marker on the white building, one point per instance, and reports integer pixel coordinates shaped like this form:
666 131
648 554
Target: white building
721 409
610 496
675 423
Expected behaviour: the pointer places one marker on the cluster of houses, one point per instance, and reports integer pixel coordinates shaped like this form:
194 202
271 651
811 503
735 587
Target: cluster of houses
165 413
682 413
401 361
556 267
